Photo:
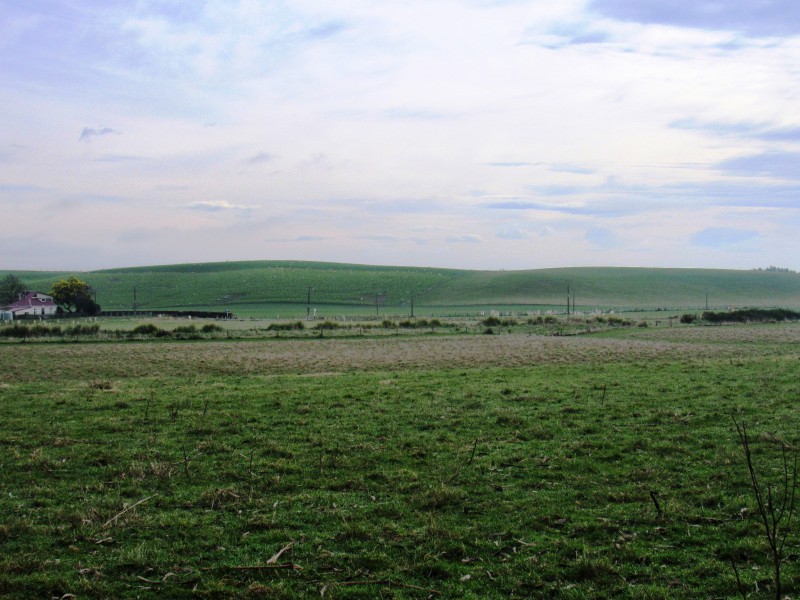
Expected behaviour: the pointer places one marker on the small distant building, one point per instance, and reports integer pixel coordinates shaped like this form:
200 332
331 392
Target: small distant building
32 304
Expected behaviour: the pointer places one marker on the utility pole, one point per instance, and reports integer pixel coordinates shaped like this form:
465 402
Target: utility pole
308 308
412 306
568 298
706 299
134 298
380 298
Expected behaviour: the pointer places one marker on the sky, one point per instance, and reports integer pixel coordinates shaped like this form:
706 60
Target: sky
478 134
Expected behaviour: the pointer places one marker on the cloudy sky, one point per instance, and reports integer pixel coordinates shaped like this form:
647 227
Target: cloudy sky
487 134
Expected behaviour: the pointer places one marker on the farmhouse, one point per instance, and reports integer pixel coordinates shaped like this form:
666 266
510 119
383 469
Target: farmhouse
34 304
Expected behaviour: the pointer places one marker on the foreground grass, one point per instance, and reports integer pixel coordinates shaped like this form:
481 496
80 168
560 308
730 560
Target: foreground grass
550 468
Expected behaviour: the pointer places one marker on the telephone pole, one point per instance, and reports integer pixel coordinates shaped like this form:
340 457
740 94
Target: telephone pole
568 298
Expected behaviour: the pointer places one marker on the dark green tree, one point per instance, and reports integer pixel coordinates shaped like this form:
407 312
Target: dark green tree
11 287
74 295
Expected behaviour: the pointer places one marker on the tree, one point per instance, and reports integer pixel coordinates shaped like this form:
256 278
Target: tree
11 287
74 295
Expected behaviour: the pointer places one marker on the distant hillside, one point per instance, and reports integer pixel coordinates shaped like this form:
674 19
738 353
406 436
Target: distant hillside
625 287
251 283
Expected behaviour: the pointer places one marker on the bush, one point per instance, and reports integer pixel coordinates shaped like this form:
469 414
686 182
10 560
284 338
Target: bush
293 326
418 324
185 329
38 330
145 329
751 314
183 332
32 331
687 318
76 330
15 331
212 328
495 322
327 325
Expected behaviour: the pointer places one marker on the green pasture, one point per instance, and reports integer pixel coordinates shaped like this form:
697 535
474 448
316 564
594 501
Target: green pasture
272 288
602 466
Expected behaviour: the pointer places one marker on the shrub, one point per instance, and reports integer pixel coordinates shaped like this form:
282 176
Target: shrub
212 328
293 326
39 330
687 318
150 330
327 325
417 324
185 329
495 322
32 331
751 314
145 329
92 329
15 331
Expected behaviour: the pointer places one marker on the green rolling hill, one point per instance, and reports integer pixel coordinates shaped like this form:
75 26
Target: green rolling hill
249 284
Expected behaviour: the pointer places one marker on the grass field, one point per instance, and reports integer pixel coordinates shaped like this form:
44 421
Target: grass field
414 466
273 288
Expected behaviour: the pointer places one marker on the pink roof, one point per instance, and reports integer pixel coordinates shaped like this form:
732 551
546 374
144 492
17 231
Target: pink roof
31 299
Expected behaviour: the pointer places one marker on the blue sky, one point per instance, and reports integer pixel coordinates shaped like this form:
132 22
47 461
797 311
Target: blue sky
486 134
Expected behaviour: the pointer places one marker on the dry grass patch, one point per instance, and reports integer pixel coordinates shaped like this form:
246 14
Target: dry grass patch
101 362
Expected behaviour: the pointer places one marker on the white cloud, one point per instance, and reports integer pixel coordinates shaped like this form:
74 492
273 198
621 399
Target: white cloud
467 238
217 205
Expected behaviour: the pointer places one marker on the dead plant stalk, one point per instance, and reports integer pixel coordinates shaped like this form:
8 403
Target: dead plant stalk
772 510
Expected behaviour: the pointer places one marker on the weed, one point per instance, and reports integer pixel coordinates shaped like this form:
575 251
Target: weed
776 504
